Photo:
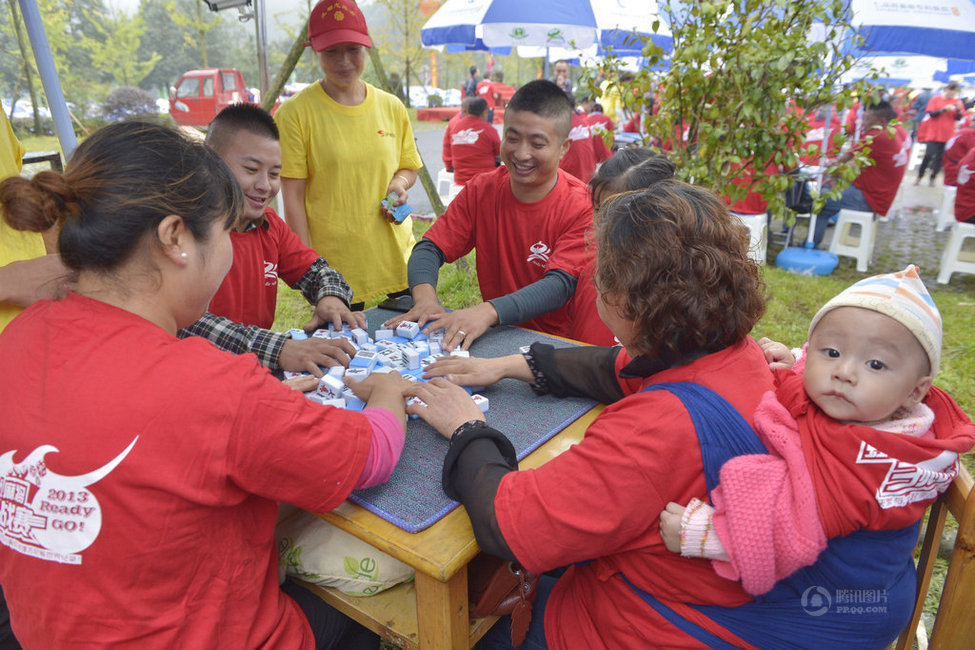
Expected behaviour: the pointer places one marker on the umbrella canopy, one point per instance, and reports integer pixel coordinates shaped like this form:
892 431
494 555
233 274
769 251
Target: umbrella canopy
939 28
544 23
914 70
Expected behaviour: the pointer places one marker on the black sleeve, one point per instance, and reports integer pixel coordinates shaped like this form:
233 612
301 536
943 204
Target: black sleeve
576 372
425 262
478 458
548 294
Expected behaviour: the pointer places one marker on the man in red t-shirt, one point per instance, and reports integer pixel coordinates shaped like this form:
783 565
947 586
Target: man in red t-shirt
471 145
600 124
490 91
527 221
242 310
876 186
937 127
448 164
587 150
965 198
955 149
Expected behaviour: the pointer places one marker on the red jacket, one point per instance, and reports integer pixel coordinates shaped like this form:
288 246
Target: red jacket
940 127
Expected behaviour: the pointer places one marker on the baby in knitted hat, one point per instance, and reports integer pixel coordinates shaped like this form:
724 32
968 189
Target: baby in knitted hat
858 438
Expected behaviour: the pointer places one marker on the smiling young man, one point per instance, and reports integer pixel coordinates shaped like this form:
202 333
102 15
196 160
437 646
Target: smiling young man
527 221
246 138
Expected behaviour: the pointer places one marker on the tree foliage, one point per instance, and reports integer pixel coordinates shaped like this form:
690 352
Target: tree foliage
739 78
114 48
196 23
398 36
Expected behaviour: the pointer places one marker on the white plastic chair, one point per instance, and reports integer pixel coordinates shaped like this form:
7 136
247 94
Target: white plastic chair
946 215
859 244
757 225
956 259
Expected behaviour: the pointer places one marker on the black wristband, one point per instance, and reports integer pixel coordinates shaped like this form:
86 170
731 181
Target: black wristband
540 386
464 435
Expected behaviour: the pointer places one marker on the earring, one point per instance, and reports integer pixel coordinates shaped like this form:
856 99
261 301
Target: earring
184 255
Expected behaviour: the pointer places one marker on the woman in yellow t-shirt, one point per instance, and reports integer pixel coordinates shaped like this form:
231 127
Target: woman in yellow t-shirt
26 272
345 146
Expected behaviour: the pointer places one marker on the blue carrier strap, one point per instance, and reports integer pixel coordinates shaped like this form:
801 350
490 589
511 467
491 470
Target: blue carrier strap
803 609
722 432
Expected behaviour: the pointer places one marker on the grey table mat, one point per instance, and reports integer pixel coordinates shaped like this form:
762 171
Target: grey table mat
412 498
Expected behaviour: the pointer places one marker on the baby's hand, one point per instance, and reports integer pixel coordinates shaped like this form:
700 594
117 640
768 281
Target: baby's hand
670 526
777 354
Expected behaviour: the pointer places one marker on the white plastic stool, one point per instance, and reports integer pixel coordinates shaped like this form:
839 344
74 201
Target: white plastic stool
757 225
444 180
857 245
946 215
895 208
917 155
956 259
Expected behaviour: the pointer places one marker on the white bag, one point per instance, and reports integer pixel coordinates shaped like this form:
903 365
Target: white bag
317 552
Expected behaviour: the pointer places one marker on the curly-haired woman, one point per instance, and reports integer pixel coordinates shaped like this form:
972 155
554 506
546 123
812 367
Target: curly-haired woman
676 287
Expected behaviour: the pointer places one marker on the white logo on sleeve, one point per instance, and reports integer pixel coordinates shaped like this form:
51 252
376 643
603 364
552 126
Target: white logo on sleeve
46 515
270 274
580 132
964 175
466 136
539 253
909 482
900 158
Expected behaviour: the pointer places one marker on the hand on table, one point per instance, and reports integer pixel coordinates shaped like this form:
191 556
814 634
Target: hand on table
310 355
304 383
463 326
332 309
392 383
447 405
425 306
777 354
472 371
670 526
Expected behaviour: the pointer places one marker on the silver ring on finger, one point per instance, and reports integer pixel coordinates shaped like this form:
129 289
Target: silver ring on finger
462 334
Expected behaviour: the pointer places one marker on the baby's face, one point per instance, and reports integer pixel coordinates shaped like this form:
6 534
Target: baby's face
862 366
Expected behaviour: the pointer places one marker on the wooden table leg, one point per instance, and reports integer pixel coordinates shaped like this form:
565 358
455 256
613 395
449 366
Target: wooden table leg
441 611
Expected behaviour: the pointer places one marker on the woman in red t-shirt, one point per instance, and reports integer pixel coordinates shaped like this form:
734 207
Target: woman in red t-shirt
146 470
677 289
937 127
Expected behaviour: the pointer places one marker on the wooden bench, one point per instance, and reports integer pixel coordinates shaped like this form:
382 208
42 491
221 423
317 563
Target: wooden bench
954 623
52 157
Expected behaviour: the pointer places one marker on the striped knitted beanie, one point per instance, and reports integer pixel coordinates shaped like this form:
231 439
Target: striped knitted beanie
901 296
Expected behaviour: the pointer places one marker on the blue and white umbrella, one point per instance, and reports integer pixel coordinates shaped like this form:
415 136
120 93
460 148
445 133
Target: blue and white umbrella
938 28
545 23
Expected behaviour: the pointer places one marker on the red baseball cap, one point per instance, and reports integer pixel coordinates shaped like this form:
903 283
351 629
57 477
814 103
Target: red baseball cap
337 21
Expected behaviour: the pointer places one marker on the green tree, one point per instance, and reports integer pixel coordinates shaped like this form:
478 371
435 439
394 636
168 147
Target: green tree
198 23
738 73
398 39
307 69
65 24
168 37
115 48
